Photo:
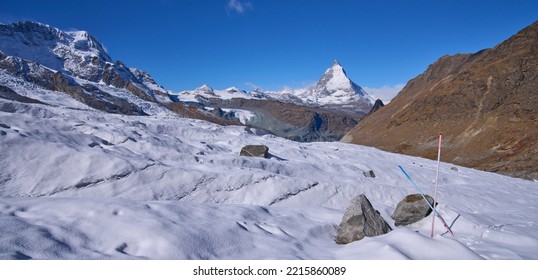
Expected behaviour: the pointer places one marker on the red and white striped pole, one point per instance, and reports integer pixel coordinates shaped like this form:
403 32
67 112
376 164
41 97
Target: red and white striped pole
436 181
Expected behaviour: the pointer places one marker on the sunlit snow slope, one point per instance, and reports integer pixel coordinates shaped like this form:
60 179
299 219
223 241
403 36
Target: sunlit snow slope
83 184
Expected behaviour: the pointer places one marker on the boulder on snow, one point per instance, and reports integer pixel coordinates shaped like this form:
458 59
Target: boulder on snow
360 220
412 209
369 174
255 151
454 168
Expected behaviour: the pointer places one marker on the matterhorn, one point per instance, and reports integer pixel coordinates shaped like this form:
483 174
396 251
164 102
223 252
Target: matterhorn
335 88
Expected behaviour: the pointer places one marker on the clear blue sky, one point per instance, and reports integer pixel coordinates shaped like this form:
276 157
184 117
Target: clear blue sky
276 43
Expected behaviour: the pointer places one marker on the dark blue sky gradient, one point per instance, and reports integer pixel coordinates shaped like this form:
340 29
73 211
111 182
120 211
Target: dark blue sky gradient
276 43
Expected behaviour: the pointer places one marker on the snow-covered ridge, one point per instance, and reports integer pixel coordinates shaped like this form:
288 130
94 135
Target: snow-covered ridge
333 88
207 92
75 52
81 59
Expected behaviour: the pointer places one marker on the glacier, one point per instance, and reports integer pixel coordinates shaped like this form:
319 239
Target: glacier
84 184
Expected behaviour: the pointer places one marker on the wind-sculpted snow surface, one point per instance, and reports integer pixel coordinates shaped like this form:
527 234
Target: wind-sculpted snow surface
82 184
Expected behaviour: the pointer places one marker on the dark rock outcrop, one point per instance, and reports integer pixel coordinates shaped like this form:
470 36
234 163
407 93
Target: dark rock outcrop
412 209
360 220
222 114
9 94
195 111
377 105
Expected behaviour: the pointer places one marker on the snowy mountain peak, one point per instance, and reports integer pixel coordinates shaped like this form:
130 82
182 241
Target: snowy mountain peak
205 89
80 61
52 47
336 65
234 90
335 78
334 88
83 41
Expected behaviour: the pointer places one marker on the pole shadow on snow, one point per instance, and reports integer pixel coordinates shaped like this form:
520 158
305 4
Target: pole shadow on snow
451 225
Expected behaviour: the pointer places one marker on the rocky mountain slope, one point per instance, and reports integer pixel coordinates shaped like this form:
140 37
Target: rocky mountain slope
292 121
73 63
485 104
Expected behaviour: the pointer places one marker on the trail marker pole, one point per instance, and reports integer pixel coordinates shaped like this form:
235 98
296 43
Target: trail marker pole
436 180
425 199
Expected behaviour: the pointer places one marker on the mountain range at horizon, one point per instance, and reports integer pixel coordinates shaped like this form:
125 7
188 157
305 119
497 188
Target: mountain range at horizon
75 63
333 88
79 54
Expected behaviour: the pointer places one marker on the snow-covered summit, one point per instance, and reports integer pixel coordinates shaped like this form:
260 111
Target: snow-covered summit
84 65
334 78
334 87
205 89
74 52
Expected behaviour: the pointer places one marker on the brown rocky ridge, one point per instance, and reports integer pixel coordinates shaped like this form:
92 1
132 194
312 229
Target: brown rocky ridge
485 104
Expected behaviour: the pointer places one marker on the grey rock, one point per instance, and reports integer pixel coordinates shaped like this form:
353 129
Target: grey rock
360 220
255 151
412 209
369 174
453 168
